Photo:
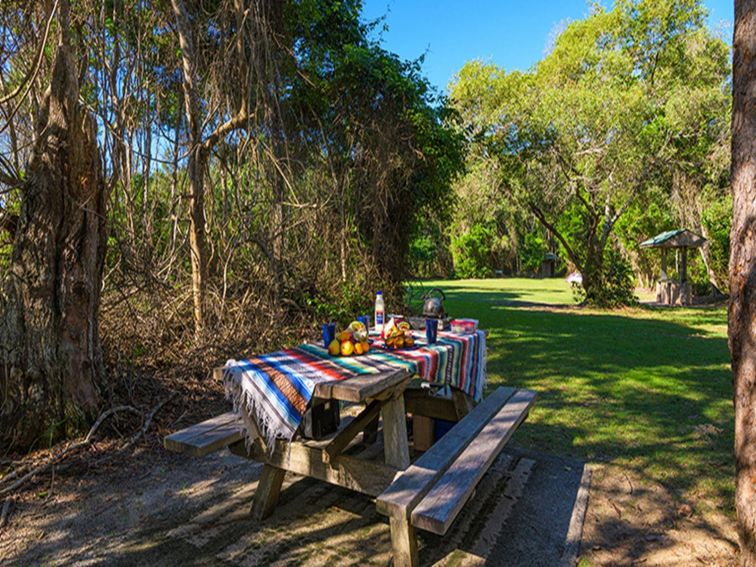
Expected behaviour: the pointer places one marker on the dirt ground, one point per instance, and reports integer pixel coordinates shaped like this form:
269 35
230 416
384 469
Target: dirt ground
632 521
152 507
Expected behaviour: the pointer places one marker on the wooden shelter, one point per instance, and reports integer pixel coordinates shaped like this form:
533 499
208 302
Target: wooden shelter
674 291
548 265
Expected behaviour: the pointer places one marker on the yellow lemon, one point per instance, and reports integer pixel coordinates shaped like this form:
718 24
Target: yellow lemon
347 348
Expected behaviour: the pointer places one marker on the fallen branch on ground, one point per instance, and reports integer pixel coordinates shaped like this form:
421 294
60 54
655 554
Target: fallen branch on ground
6 513
147 422
70 449
14 474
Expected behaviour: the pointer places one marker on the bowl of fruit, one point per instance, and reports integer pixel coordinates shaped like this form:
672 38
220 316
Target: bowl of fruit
351 341
398 335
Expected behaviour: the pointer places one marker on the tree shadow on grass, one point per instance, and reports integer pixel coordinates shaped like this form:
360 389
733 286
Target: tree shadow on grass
624 387
639 389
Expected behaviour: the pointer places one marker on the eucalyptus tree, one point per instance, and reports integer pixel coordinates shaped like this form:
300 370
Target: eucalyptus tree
742 312
51 366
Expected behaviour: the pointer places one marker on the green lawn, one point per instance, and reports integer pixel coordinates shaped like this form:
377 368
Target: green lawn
643 388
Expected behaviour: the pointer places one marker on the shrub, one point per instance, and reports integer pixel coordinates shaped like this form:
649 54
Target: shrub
615 285
472 252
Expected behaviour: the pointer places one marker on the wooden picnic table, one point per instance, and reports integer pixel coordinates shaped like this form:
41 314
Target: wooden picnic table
324 459
427 493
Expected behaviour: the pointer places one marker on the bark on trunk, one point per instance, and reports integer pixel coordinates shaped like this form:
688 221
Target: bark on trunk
52 369
742 311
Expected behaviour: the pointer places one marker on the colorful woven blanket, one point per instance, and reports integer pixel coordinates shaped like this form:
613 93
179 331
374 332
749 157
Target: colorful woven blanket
455 360
275 389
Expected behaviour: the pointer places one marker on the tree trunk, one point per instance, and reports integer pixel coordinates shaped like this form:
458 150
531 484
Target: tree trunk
705 252
742 311
195 165
49 343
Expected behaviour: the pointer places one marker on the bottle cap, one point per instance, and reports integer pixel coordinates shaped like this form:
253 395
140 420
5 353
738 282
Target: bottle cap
379 293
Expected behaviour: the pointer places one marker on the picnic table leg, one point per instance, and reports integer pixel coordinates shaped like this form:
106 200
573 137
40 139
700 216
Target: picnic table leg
396 448
370 433
268 489
403 543
463 403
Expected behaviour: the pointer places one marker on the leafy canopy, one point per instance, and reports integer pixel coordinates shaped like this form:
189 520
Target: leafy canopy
625 98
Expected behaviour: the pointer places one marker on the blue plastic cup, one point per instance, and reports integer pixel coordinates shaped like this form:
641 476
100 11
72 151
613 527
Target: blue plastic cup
329 333
365 320
431 330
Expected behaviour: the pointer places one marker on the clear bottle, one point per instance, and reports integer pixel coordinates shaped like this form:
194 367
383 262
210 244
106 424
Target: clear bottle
380 312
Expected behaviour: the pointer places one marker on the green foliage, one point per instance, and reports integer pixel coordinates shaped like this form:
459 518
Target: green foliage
472 252
534 248
388 137
717 219
629 108
614 285
342 305
422 254
429 252
649 214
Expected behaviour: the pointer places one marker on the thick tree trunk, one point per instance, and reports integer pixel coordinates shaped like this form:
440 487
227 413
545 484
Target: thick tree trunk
49 344
195 165
742 315
592 273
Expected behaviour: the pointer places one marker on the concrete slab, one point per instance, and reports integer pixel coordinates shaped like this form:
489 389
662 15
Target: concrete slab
532 515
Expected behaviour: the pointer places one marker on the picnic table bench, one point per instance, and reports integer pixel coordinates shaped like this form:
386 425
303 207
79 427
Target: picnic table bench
426 494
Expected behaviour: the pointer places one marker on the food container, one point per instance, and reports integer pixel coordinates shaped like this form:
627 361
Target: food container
464 326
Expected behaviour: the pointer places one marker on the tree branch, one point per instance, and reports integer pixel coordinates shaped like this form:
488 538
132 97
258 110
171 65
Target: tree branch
233 123
570 252
55 458
30 82
32 73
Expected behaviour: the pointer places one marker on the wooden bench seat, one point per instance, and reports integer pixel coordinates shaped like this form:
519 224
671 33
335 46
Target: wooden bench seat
432 491
204 438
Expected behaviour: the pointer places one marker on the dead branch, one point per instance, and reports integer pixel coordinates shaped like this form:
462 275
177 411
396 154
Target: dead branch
70 449
28 81
6 513
32 72
133 439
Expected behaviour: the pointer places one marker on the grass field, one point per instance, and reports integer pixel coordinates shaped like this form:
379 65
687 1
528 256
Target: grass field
643 388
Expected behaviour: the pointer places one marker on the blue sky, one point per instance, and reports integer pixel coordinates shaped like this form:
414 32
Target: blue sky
510 33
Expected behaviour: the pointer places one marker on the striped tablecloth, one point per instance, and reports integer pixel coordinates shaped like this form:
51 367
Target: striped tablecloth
275 389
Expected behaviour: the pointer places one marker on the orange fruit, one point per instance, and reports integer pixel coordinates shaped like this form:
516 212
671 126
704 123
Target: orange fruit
345 336
357 348
365 346
409 341
347 348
